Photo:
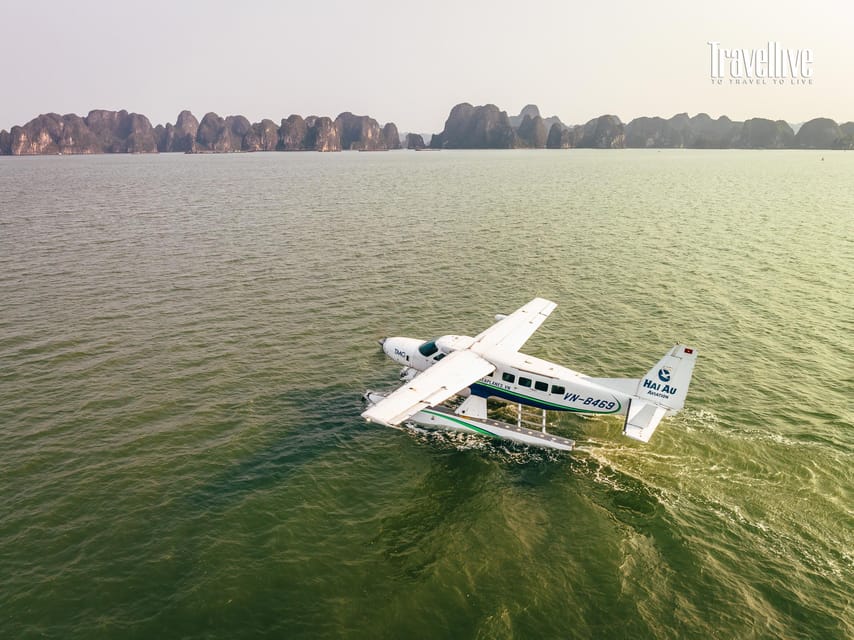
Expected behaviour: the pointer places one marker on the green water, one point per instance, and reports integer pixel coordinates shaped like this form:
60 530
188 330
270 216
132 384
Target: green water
184 341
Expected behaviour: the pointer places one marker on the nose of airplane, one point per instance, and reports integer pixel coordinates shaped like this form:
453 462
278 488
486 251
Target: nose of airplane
382 341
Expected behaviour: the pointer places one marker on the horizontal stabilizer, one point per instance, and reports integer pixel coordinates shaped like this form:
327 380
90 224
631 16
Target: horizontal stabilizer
642 420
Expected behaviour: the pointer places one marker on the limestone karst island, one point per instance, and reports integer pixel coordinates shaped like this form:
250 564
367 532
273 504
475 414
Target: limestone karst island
467 127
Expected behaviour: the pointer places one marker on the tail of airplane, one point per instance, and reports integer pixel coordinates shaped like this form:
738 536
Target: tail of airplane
662 391
666 384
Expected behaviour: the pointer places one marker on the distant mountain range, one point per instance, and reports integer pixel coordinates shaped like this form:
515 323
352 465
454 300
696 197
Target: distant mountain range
122 132
467 127
487 127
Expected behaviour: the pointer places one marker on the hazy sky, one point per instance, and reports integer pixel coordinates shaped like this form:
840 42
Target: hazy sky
410 62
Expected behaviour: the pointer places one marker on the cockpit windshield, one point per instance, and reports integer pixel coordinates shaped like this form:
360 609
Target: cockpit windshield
428 348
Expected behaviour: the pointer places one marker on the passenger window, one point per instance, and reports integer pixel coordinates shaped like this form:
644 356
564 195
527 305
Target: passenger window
558 390
508 377
439 357
539 385
524 382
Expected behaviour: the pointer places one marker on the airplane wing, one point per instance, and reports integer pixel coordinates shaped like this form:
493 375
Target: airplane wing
513 331
451 375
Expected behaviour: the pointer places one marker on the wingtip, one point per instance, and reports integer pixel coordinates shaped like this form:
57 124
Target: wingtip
373 420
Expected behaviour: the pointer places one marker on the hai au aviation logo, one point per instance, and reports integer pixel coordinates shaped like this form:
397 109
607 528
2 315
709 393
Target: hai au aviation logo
772 64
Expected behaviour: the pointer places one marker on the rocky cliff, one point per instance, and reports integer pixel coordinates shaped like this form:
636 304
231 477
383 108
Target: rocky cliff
292 134
845 142
391 137
820 133
701 132
222 135
121 132
529 110
532 133
99 132
469 127
487 127
322 134
563 137
262 136
413 141
713 134
760 133
657 132
181 136
51 133
533 111
310 134
361 133
604 132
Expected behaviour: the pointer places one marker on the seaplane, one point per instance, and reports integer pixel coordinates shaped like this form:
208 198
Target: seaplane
490 365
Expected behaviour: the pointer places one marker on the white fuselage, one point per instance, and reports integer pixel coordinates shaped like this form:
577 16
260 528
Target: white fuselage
522 378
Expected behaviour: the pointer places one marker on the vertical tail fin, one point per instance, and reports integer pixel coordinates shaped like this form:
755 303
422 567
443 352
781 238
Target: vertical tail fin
666 384
660 392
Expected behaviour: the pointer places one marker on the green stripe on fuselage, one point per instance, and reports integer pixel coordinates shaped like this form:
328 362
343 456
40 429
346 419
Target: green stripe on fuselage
479 430
537 402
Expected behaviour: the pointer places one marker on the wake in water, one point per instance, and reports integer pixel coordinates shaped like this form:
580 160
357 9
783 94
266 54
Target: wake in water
501 450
